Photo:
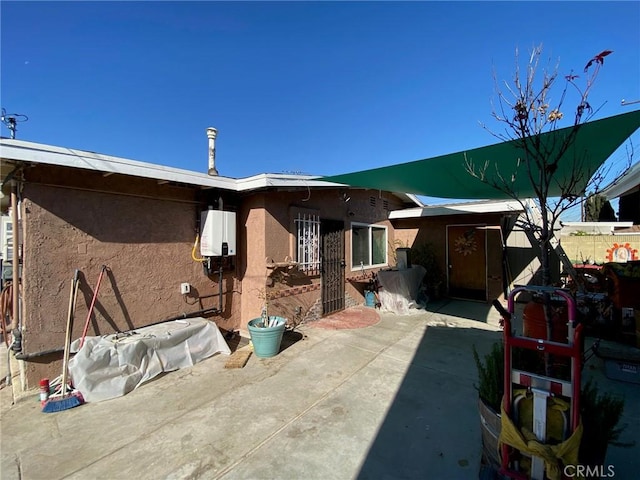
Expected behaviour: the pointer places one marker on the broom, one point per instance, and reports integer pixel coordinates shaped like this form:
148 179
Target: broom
66 400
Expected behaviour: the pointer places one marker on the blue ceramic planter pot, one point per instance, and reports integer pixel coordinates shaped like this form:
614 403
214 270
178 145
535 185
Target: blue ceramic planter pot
266 340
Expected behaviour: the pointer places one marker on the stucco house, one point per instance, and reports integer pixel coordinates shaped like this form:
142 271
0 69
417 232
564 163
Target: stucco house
309 247
481 251
305 246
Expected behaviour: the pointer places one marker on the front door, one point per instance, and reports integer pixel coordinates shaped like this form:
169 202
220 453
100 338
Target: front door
467 261
332 265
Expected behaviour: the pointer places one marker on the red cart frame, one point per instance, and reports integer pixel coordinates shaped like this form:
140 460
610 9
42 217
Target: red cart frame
549 386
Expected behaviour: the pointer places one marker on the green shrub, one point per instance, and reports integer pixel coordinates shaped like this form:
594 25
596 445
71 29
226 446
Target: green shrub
424 254
490 376
601 413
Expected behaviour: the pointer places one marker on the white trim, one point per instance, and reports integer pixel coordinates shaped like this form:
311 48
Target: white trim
624 184
30 152
357 268
501 206
598 224
49 155
593 228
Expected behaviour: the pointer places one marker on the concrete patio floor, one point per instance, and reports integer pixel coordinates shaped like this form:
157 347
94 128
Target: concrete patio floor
392 400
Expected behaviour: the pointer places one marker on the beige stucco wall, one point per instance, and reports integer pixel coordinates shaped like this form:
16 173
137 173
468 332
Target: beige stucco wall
433 230
251 256
269 223
143 233
600 248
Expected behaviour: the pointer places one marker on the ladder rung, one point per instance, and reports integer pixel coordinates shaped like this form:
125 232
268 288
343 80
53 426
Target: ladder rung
553 385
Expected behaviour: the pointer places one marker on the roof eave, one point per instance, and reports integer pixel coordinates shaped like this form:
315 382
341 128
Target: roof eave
483 207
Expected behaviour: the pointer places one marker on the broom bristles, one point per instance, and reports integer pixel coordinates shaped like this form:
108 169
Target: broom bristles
57 404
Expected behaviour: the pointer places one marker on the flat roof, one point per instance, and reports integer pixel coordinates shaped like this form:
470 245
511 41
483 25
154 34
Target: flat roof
38 153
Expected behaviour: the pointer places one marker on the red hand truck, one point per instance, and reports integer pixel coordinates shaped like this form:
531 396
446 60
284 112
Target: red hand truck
541 387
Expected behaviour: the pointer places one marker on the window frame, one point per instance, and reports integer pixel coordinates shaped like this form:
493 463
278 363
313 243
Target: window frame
370 227
310 223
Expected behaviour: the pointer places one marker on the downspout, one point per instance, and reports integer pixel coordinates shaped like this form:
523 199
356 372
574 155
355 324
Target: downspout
220 270
15 259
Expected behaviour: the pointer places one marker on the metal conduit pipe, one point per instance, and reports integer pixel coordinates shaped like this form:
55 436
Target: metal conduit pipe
15 258
204 311
44 353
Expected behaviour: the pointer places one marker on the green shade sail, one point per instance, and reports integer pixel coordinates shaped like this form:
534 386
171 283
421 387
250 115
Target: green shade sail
446 176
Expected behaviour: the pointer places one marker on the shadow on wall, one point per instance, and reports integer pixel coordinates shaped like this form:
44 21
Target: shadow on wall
97 326
113 218
520 262
432 428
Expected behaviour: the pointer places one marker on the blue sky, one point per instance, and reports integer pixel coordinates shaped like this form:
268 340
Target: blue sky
308 87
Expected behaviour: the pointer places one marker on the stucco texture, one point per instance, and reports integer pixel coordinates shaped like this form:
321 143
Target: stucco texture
269 238
145 243
433 231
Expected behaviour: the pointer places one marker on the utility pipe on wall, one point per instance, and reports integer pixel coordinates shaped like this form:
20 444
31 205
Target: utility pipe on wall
15 259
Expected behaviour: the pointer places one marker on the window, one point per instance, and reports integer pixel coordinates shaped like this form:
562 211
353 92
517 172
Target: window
6 239
368 245
308 242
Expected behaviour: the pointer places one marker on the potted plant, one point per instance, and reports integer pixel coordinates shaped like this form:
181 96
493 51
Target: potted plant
559 174
600 412
266 331
424 254
490 390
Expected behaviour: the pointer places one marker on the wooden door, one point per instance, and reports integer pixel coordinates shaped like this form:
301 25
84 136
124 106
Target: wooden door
467 261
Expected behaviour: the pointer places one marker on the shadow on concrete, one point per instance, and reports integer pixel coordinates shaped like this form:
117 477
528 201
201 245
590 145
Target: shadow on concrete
289 338
432 428
478 311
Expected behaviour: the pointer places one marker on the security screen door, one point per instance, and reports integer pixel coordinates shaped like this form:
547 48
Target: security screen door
332 265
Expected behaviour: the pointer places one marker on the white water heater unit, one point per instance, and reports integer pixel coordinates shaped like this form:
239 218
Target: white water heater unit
217 233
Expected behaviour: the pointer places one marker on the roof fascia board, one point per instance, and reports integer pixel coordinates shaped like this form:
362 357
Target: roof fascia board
31 152
597 224
265 180
46 154
458 209
626 183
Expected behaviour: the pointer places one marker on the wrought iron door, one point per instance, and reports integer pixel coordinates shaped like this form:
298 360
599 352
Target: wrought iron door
332 265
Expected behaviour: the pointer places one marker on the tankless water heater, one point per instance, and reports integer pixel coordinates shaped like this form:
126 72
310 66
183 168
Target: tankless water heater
217 233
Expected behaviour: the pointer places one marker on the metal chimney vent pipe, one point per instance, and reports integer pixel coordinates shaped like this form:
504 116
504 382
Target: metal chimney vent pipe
211 135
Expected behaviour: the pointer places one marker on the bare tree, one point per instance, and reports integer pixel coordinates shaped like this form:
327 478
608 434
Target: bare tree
531 107
527 109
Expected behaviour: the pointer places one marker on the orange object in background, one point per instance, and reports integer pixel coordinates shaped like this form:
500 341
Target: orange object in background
623 283
535 323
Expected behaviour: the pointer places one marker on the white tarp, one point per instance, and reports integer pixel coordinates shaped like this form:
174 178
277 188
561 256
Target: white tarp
400 290
113 365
